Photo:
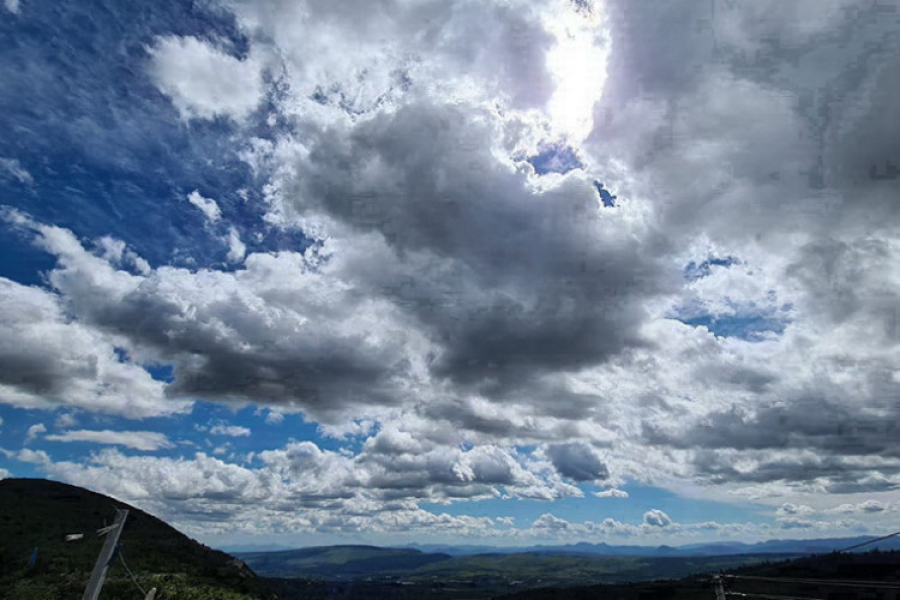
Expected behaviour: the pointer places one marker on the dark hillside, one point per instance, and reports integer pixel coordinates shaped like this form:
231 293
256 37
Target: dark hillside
37 513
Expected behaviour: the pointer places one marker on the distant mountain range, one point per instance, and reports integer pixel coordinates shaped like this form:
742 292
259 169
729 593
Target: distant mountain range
815 546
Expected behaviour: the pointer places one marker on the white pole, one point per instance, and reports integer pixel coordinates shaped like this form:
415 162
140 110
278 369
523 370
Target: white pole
102 565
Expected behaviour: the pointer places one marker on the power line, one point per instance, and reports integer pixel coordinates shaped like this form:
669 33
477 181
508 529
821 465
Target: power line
130 574
884 537
769 596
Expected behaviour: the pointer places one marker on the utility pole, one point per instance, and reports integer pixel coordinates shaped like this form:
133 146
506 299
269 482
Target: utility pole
102 565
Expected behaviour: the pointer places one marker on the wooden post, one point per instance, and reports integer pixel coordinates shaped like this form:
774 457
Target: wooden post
92 591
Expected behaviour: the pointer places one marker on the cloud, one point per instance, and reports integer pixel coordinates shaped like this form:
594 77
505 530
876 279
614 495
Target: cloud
869 507
12 6
657 518
34 431
48 360
578 462
612 493
230 430
453 305
788 509
11 167
65 421
207 206
202 81
274 417
236 248
138 440
37 457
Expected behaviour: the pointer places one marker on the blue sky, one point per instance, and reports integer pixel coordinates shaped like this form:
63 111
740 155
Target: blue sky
492 273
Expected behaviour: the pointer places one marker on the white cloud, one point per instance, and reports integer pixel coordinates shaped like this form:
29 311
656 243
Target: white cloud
49 360
202 81
138 440
612 493
657 518
38 457
11 167
788 509
230 430
454 305
34 431
4 474
236 248
207 206
65 421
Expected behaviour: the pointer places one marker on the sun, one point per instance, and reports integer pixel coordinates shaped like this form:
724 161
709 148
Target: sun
578 64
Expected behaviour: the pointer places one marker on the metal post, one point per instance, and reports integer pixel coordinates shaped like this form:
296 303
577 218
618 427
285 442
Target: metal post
719 587
102 565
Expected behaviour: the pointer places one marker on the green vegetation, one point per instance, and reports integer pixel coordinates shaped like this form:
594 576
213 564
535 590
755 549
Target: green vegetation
36 513
486 573
337 563
823 576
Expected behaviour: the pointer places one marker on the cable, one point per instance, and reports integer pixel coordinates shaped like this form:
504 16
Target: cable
769 596
884 537
130 574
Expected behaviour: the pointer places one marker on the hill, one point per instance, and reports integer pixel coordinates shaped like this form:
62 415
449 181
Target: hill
843 576
368 571
38 514
336 563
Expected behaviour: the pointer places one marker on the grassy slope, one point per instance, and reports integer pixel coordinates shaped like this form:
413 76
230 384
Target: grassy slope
39 513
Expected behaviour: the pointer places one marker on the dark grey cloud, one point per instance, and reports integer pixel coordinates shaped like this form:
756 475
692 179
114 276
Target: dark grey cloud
578 461
514 281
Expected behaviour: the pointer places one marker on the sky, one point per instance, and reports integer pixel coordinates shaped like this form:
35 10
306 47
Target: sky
456 271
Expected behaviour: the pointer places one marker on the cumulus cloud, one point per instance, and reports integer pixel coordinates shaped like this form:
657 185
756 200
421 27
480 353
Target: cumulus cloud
731 319
657 518
34 431
274 417
203 81
788 509
138 440
47 360
612 493
236 248
577 461
207 206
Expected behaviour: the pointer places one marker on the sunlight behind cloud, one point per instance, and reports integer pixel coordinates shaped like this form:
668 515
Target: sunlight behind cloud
578 64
